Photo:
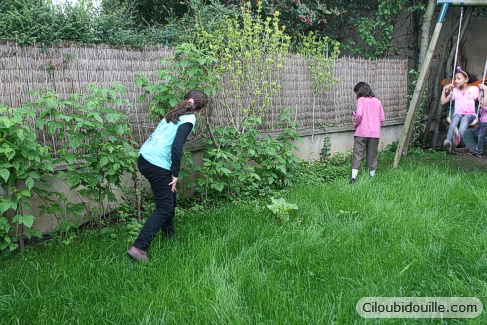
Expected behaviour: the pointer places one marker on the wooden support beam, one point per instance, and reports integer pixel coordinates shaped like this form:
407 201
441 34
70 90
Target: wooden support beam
407 130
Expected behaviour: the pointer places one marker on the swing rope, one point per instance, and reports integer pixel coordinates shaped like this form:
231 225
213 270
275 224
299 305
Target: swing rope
455 64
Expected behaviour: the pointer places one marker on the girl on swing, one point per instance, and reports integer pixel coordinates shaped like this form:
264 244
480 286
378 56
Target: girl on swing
464 97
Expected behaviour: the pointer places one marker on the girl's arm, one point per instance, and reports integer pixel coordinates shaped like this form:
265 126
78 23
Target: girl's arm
358 114
177 147
445 94
483 99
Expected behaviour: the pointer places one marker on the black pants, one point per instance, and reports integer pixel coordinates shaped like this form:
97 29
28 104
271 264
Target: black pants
163 216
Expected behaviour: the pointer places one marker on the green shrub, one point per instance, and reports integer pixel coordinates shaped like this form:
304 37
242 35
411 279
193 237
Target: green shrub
248 164
326 170
189 68
280 208
23 165
98 152
34 21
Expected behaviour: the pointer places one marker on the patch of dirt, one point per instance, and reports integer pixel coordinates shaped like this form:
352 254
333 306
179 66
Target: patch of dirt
468 162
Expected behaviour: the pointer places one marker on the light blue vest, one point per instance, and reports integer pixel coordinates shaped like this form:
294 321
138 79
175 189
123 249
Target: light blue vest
157 149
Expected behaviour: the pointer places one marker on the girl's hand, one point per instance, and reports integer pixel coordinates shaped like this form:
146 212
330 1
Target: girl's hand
173 184
482 87
448 87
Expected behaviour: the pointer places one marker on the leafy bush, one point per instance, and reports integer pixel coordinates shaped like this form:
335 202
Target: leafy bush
326 170
98 152
23 165
189 68
34 21
251 54
280 208
248 164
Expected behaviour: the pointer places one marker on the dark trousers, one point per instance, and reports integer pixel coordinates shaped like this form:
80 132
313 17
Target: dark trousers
367 147
480 134
165 200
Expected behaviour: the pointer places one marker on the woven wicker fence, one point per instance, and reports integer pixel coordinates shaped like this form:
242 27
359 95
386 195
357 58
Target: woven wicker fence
68 70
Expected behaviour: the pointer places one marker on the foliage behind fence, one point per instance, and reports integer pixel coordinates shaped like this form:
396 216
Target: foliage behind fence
68 69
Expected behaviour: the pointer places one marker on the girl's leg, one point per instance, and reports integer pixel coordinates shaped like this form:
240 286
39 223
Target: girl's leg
455 120
479 148
464 123
168 227
475 131
447 144
159 179
371 155
359 146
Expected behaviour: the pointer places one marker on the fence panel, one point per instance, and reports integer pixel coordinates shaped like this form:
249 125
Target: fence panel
69 69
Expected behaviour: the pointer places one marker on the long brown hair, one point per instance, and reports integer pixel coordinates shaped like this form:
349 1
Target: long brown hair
363 89
193 101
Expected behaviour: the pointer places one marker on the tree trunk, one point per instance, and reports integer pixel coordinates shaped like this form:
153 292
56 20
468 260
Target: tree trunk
423 48
436 99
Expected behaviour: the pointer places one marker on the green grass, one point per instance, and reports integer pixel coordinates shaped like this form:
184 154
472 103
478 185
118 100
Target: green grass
419 230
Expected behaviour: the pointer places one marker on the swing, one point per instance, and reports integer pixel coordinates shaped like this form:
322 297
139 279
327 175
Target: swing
476 120
481 94
414 105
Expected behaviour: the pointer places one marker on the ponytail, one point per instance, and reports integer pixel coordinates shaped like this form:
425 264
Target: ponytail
194 101
182 108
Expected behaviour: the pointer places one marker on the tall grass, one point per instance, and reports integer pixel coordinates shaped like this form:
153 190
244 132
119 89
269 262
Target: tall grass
419 230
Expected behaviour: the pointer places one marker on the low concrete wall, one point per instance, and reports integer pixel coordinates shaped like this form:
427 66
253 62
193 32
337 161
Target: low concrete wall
342 139
309 148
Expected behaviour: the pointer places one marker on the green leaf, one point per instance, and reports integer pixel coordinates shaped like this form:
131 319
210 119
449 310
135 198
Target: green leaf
6 121
218 186
21 134
26 193
98 118
103 161
5 174
29 183
113 117
225 170
27 206
70 158
52 127
4 206
173 102
27 220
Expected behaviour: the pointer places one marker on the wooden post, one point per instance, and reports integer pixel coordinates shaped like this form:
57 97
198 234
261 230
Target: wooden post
407 130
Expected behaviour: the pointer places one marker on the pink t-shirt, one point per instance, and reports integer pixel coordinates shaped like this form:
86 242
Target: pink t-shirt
369 117
465 102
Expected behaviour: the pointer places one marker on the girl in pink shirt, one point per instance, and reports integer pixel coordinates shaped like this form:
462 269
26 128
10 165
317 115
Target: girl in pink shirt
482 129
464 97
368 121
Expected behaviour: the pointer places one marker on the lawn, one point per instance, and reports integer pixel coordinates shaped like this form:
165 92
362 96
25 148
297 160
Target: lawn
415 231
